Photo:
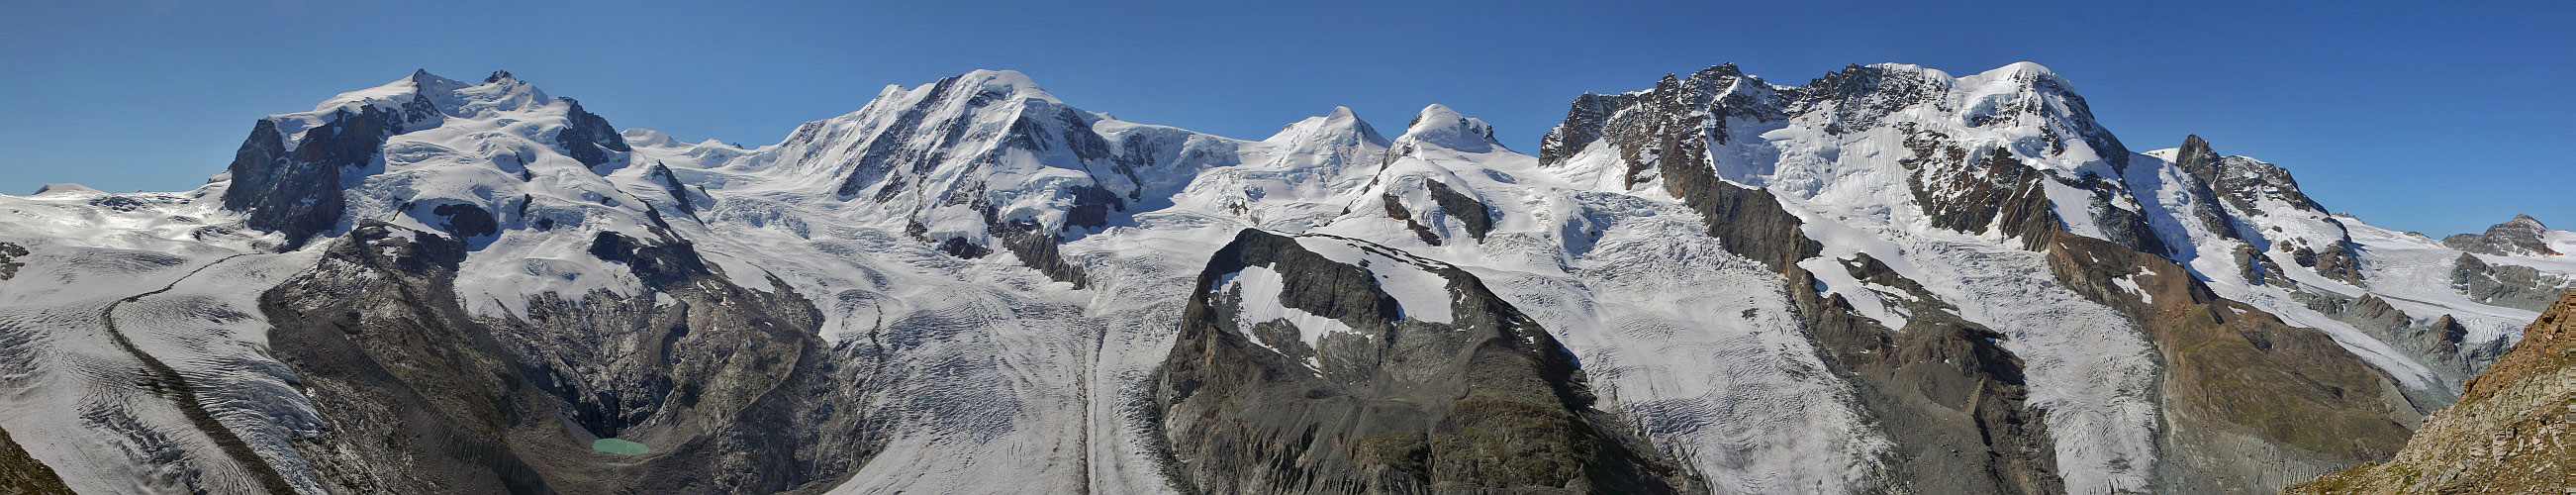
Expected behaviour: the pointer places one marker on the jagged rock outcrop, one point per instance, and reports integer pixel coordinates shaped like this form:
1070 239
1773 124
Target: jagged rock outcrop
1749 222
300 194
2512 286
2441 343
1478 219
2199 161
2522 236
8 259
2259 203
1644 127
588 138
2512 432
1997 194
1296 373
1942 387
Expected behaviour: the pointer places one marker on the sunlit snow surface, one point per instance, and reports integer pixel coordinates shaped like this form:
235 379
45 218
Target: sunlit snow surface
993 378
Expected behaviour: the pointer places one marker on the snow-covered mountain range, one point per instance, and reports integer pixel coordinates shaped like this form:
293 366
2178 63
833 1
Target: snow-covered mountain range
1886 279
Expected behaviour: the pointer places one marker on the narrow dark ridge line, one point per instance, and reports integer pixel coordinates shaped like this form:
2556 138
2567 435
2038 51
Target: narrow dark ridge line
167 382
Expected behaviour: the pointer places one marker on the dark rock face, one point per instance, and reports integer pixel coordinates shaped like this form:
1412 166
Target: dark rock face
466 221
2511 286
1468 211
728 386
1647 127
1976 197
2446 333
2337 262
1749 222
671 184
2198 160
1036 249
590 139
1488 403
1943 388
1473 214
9 253
1395 210
299 194
2520 237
1861 96
2238 180
2234 187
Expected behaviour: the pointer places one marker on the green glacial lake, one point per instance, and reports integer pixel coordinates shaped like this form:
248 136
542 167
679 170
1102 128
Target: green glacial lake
619 447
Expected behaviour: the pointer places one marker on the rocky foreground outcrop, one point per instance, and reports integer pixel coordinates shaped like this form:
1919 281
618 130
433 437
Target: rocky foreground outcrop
1377 397
2512 432
23 475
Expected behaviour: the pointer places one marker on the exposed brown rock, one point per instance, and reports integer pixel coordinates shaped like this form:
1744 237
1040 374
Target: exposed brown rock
2512 432
21 474
2253 398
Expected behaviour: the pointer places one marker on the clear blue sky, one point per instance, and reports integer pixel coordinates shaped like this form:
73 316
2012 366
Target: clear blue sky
2426 116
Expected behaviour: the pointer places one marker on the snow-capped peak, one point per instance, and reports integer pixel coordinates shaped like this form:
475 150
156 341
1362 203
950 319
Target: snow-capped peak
1437 125
647 137
2017 71
64 188
1006 82
1339 127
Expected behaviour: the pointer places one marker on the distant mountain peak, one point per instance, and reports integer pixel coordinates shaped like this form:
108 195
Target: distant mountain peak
1339 126
1438 125
2521 236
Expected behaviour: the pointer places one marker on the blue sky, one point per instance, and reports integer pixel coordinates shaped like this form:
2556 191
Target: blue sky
2424 116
